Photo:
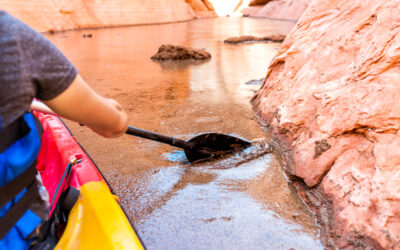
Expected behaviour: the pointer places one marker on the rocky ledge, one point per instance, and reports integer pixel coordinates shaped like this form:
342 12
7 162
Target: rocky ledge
278 9
242 39
331 102
173 52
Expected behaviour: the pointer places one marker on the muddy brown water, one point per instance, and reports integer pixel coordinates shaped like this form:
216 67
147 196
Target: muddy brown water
242 201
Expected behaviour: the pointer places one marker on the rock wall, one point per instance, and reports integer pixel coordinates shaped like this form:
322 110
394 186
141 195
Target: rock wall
331 102
208 4
198 5
279 9
202 8
56 15
258 2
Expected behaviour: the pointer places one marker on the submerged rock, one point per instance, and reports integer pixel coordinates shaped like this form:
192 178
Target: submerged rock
242 39
330 100
173 52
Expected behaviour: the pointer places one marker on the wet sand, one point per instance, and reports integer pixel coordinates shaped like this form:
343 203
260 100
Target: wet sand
243 201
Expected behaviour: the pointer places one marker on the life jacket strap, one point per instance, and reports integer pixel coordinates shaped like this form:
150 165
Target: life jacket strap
14 187
12 216
16 130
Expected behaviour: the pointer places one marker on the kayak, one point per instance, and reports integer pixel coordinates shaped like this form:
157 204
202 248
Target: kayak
96 220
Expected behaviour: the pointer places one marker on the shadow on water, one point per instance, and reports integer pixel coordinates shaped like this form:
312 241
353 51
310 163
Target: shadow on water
242 201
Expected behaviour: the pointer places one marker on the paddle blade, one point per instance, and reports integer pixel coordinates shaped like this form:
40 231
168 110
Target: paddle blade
217 143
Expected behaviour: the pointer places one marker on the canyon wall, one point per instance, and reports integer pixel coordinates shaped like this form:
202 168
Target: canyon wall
202 8
57 15
278 9
331 102
258 2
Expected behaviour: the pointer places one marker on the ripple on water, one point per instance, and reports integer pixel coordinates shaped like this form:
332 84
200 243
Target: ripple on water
209 206
175 156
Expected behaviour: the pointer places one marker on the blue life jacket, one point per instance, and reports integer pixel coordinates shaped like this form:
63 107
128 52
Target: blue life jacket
14 161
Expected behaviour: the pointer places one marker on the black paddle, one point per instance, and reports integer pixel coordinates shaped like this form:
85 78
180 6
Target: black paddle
200 147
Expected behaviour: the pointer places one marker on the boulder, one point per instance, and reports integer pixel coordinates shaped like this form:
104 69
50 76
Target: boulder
242 39
330 101
173 52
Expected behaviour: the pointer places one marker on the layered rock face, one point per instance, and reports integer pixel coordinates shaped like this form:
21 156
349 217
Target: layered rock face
202 8
258 2
56 15
279 9
331 102
243 39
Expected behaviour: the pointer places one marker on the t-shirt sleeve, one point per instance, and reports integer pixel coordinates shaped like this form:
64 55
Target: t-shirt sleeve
49 70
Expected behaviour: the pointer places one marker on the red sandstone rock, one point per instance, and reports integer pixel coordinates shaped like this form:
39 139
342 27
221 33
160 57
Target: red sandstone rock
279 9
242 39
57 15
252 10
201 8
172 52
197 5
331 101
208 4
258 2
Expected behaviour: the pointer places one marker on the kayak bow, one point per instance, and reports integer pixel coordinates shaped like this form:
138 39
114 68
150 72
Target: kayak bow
96 221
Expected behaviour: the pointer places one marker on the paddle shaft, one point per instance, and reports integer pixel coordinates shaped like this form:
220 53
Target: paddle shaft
38 106
168 140
160 138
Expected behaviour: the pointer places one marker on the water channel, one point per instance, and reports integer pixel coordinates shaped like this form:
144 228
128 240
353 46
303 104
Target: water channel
239 202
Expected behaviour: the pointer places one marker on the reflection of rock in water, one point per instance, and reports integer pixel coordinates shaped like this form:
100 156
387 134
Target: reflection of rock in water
242 39
180 65
173 52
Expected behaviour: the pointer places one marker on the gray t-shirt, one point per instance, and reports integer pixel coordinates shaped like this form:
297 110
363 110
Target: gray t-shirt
30 67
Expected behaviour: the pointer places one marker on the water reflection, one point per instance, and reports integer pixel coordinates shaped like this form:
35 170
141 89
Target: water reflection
212 206
239 202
